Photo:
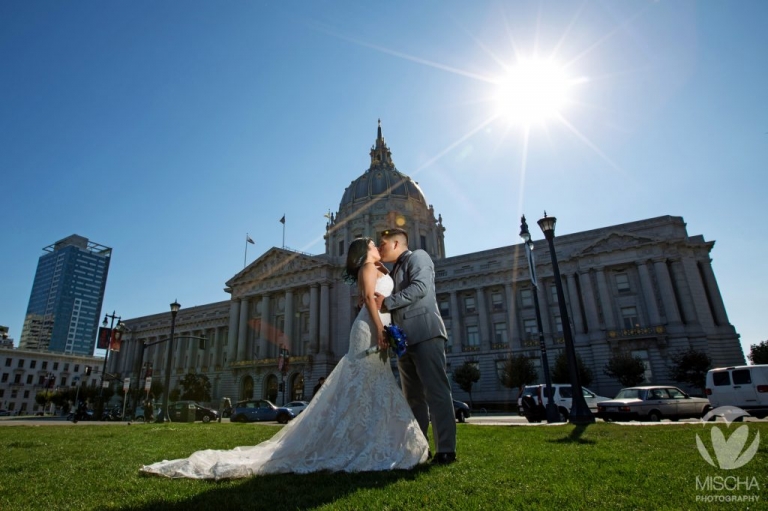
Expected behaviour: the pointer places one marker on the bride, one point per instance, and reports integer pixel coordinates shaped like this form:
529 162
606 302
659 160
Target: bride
358 421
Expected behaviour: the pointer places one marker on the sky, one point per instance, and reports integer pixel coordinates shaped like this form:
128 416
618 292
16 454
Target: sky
169 130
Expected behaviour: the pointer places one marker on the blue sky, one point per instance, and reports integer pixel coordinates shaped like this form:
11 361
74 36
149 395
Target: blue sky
168 130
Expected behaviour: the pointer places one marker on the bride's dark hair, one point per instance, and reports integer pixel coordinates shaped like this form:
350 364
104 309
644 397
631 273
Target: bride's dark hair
356 256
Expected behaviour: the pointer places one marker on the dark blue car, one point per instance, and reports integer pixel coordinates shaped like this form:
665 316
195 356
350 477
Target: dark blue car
252 410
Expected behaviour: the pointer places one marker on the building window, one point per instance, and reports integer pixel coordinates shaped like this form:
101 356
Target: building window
305 322
629 317
500 333
553 293
45 364
643 355
445 307
8 362
26 396
341 247
530 328
17 378
66 366
473 335
622 282
500 366
32 364
423 240
55 366
497 302
526 297
469 304
29 379
558 325
63 381
449 342
21 363
5 377
77 368
41 380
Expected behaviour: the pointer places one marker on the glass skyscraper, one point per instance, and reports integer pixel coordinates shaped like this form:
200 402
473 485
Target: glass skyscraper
65 304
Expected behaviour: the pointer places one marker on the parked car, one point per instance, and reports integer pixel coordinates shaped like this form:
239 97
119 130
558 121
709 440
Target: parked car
297 406
180 412
4 413
252 410
140 415
461 409
652 403
745 387
562 395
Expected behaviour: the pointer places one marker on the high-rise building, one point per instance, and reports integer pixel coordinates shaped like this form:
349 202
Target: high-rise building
65 304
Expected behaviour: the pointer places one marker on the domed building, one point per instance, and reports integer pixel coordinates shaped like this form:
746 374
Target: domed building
643 287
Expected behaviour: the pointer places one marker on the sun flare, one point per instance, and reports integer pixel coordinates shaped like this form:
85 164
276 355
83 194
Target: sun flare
533 91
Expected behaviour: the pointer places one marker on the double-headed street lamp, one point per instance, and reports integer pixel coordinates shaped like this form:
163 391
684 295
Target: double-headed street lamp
580 413
552 415
113 317
174 310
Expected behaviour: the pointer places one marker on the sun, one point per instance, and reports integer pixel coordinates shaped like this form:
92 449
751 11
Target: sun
533 91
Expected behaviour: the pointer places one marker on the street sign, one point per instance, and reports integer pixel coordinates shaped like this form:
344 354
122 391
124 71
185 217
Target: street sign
148 383
105 384
126 384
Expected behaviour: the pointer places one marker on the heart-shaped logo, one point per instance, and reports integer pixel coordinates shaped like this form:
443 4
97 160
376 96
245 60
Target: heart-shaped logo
730 453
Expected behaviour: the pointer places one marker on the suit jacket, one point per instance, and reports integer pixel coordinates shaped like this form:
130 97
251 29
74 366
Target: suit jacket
413 303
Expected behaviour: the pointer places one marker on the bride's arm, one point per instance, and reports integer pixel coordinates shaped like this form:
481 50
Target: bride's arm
367 278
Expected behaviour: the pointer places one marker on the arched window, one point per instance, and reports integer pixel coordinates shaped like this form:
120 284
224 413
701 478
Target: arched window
246 388
297 387
270 388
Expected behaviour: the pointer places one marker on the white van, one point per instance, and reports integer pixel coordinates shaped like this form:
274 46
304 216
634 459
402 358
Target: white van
743 386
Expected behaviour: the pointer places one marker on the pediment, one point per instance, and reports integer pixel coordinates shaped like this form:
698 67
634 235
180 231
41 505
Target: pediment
274 263
614 241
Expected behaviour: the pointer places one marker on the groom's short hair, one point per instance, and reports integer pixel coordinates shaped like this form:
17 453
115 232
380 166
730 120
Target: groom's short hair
389 233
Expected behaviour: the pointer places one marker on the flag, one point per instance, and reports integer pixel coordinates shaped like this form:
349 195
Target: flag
249 240
104 334
282 220
117 338
327 215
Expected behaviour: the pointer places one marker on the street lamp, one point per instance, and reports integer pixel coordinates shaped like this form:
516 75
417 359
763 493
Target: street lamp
174 310
580 413
552 415
113 317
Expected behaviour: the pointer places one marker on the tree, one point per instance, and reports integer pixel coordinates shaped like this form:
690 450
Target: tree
465 376
518 371
196 387
629 370
690 367
561 373
758 353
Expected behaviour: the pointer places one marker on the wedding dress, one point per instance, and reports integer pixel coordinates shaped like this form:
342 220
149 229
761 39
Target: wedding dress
358 421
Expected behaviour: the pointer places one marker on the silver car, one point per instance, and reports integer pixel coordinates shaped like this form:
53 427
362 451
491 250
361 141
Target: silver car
652 403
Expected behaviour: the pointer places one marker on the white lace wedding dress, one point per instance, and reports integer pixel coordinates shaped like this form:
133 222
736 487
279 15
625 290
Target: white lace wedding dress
358 421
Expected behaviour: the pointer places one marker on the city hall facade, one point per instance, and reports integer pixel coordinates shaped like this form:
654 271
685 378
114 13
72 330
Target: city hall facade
646 287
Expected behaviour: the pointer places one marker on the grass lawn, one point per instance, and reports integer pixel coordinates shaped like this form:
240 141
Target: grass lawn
602 466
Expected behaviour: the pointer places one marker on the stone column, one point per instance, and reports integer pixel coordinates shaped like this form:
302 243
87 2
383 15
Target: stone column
541 292
606 300
648 293
290 342
718 306
178 347
684 292
590 305
667 291
158 359
456 331
234 318
265 324
313 318
325 317
242 332
483 320
573 298
512 327
699 299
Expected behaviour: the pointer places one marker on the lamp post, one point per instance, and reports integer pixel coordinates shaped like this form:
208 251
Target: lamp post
552 415
282 366
174 310
106 355
580 413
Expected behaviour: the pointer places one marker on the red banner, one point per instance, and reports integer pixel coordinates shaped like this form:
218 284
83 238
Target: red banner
117 338
104 335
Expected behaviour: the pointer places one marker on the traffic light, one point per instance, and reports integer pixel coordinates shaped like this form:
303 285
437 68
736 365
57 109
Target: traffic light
87 370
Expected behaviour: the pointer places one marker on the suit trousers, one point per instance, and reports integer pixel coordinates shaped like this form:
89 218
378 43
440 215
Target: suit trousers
428 391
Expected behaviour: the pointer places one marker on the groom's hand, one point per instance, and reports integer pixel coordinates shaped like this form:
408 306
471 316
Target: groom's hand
380 302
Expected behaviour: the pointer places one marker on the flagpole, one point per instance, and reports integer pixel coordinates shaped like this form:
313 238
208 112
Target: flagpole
246 250
283 222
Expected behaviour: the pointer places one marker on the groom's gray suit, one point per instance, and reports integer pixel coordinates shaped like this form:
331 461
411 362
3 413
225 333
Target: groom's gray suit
425 384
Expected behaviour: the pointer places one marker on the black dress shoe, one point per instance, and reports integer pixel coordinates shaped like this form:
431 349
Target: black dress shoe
429 455
444 458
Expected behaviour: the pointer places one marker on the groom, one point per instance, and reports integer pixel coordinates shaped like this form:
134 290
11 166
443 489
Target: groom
413 306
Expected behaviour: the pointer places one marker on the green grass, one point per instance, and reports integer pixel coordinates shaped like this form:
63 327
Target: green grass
603 466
